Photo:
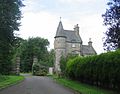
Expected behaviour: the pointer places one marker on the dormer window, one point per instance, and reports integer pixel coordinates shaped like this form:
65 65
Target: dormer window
73 45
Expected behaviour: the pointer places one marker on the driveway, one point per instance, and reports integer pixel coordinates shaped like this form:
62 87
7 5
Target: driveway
36 85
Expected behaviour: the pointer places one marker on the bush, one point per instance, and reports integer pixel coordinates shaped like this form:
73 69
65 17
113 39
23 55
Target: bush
39 70
63 66
101 70
63 63
35 68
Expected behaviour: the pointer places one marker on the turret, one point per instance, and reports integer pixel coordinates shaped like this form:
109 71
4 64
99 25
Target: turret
90 42
59 46
60 37
60 31
76 29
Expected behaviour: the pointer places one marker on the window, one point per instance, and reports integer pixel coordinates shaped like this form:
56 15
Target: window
73 45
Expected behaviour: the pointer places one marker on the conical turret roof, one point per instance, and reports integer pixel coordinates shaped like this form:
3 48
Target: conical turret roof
60 30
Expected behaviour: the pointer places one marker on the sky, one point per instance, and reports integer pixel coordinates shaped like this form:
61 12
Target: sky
40 18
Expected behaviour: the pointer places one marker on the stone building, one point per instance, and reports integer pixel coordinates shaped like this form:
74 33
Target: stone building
69 41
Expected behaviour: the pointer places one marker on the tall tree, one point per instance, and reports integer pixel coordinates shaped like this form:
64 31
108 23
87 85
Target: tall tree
10 16
32 47
112 21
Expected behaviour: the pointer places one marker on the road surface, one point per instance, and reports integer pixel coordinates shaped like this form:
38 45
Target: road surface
36 85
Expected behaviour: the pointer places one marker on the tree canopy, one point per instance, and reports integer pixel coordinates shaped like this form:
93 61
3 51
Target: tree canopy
112 21
10 15
33 47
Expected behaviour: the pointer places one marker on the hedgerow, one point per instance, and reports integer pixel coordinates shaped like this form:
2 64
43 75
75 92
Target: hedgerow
101 70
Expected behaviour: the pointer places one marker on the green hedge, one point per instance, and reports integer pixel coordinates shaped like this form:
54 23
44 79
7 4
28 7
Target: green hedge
63 63
39 70
101 70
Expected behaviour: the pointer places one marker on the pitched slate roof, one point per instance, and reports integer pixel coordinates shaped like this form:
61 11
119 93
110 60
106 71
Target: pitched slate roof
88 50
72 36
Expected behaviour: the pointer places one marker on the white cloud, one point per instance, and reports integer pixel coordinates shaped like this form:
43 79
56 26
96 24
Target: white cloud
41 24
92 27
44 24
76 1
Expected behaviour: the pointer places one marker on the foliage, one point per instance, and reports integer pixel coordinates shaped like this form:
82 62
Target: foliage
41 67
82 88
6 81
30 48
101 70
51 58
35 68
3 78
10 15
112 21
63 63
39 70
16 50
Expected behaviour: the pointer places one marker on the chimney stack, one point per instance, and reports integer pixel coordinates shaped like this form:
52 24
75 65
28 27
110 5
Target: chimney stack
90 42
76 29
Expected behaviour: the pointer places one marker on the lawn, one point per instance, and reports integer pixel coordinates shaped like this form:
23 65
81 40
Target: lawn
82 88
6 81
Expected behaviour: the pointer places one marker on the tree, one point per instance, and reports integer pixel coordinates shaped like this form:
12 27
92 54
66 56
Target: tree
32 47
112 21
10 15
51 58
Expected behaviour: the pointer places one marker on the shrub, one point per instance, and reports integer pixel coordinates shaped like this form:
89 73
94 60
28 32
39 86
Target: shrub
102 70
63 66
63 63
39 70
35 68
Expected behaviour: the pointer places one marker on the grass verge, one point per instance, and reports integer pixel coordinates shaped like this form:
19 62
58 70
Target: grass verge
6 81
82 88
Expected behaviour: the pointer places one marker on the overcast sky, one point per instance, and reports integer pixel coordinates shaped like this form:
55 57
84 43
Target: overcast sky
41 18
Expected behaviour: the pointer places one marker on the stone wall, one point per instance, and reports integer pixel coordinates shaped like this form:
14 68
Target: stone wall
16 66
73 48
58 54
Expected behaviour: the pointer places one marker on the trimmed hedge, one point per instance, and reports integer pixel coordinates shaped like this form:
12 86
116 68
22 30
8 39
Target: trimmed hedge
101 70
